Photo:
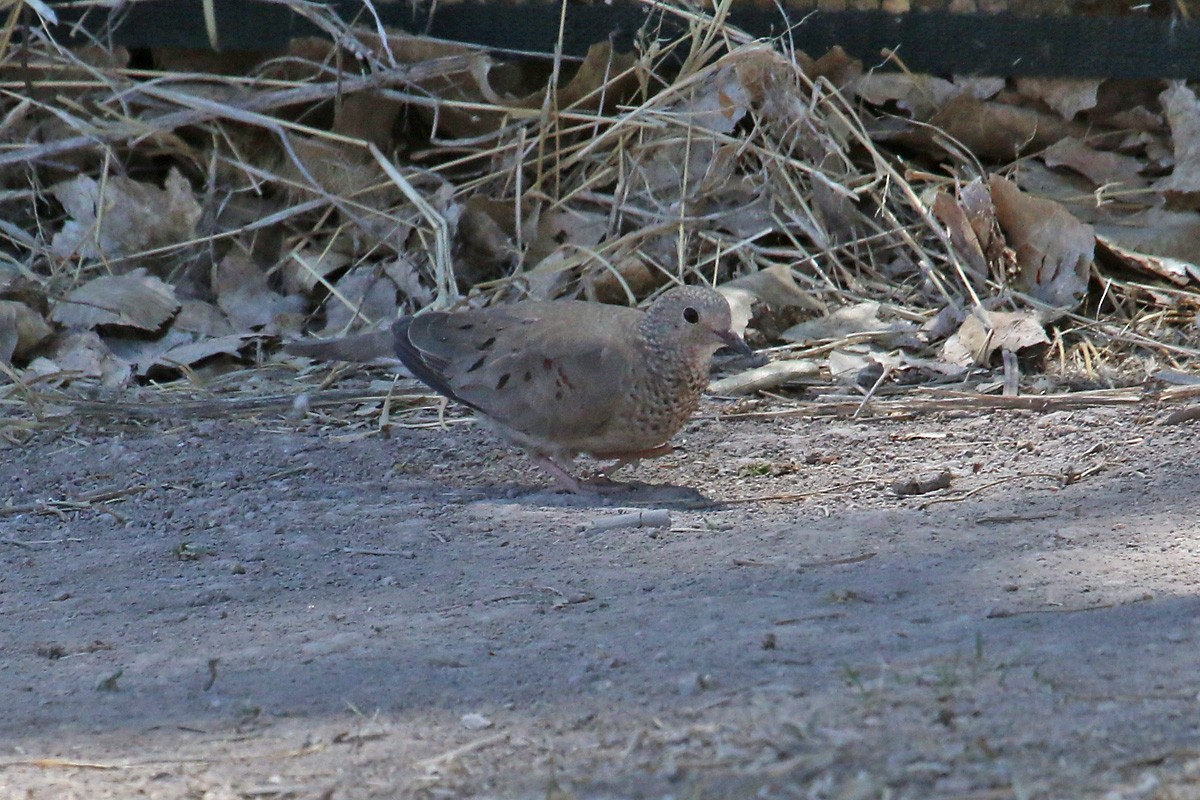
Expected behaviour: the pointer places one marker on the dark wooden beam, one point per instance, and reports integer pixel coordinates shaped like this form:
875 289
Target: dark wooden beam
1105 47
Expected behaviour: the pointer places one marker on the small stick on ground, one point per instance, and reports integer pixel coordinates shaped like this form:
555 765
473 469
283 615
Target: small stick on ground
958 497
452 755
56 506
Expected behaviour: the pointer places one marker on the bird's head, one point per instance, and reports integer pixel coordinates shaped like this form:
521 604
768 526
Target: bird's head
694 318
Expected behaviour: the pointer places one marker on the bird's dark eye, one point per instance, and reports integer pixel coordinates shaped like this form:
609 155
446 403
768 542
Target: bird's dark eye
691 315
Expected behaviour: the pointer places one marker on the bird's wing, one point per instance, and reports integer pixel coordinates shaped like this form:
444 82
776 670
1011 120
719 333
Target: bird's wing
553 371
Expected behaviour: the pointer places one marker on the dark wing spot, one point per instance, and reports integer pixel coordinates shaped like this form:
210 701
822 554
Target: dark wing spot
487 343
466 326
528 376
477 364
558 395
547 364
503 380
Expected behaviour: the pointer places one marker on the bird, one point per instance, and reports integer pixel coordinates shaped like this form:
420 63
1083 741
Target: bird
558 378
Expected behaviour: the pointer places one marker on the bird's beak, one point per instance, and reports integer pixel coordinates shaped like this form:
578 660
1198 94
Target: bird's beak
735 343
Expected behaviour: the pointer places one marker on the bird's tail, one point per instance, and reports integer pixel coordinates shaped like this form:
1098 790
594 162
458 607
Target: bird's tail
361 349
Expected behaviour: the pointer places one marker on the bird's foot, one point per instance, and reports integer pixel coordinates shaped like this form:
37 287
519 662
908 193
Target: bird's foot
625 459
598 483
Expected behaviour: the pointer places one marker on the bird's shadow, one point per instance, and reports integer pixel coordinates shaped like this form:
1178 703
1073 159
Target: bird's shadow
632 494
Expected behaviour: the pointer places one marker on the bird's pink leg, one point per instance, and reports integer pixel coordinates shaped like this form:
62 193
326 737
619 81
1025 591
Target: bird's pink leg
565 479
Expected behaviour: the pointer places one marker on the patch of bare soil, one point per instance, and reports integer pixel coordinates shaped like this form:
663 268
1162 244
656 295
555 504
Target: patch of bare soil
268 609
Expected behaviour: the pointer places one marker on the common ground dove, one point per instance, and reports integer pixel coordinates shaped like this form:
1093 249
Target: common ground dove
564 377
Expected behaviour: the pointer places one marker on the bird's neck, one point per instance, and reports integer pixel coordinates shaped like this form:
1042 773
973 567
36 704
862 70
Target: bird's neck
672 362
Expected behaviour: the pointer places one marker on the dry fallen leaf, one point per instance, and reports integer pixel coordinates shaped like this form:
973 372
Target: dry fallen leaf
1183 114
962 236
666 169
81 354
860 321
775 286
339 169
1068 187
369 117
21 330
984 332
470 79
613 281
484 239
1101 167
199 317
837 212
251 305
119 217
595 80
1067 96
1157 232
922 95
997 131
407 277
1054 250
837 67
1181 273
174 350
136 300
307 267
856 365
976 201
365 298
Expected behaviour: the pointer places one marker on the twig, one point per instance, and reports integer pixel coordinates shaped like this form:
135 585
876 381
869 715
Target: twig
1000 519
832 562
777 373
265 101
883 376
285 473
53 506
459 752
365 551
1003 614
928 405
959 497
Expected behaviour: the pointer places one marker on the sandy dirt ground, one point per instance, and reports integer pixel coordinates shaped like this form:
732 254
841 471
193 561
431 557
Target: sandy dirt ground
270 608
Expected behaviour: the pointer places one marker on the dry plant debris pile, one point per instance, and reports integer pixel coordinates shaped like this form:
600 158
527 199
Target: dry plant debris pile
175 214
